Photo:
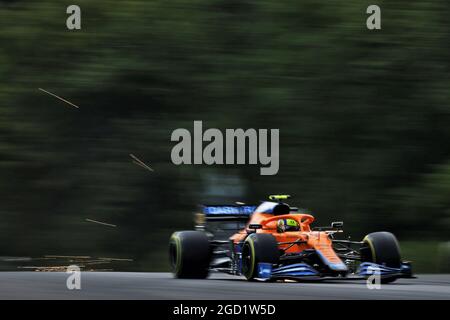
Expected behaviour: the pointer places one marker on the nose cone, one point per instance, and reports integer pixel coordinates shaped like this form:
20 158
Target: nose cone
324 248
330 259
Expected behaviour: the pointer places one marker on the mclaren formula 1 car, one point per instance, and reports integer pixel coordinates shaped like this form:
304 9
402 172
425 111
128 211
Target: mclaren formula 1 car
275 241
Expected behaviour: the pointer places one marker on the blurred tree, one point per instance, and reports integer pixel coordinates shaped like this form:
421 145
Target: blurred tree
363 116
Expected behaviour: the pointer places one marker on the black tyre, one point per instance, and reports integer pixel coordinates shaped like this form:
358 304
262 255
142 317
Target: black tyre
258 247
190 254
382 248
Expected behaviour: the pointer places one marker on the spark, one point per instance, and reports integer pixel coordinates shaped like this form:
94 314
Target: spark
140 163
115 259
68 257
58 97
102 223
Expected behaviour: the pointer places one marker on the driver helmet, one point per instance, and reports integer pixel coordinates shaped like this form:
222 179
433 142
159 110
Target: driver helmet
284 225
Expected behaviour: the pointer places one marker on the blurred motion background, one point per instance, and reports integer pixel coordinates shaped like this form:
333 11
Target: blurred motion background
363 118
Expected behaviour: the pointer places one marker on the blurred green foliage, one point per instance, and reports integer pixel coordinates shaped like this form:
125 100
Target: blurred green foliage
363 117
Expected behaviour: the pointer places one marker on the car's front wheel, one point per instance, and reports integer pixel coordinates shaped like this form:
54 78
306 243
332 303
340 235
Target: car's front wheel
382 248
258 247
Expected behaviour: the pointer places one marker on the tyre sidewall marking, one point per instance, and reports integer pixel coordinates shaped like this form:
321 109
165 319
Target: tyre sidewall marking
372 248
177 241
252 257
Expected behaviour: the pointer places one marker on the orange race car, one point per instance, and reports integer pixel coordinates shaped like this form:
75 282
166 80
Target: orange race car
275 241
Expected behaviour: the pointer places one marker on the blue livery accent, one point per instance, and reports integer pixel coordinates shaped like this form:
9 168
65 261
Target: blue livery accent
368 268
266 207
228 210
295 270
264 270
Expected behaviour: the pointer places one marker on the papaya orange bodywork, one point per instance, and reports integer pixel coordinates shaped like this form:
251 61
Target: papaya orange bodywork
318 240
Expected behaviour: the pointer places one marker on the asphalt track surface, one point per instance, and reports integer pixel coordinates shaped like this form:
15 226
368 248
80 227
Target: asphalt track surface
123 285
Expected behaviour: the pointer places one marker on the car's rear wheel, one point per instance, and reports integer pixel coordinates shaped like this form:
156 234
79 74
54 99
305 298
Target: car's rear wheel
190 254
258 247
382 248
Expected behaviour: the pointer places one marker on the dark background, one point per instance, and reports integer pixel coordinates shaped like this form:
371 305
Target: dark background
363 118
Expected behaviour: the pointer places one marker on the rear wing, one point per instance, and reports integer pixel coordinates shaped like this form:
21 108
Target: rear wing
223 220
227 211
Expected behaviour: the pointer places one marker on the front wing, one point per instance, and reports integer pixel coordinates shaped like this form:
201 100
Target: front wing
303 271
